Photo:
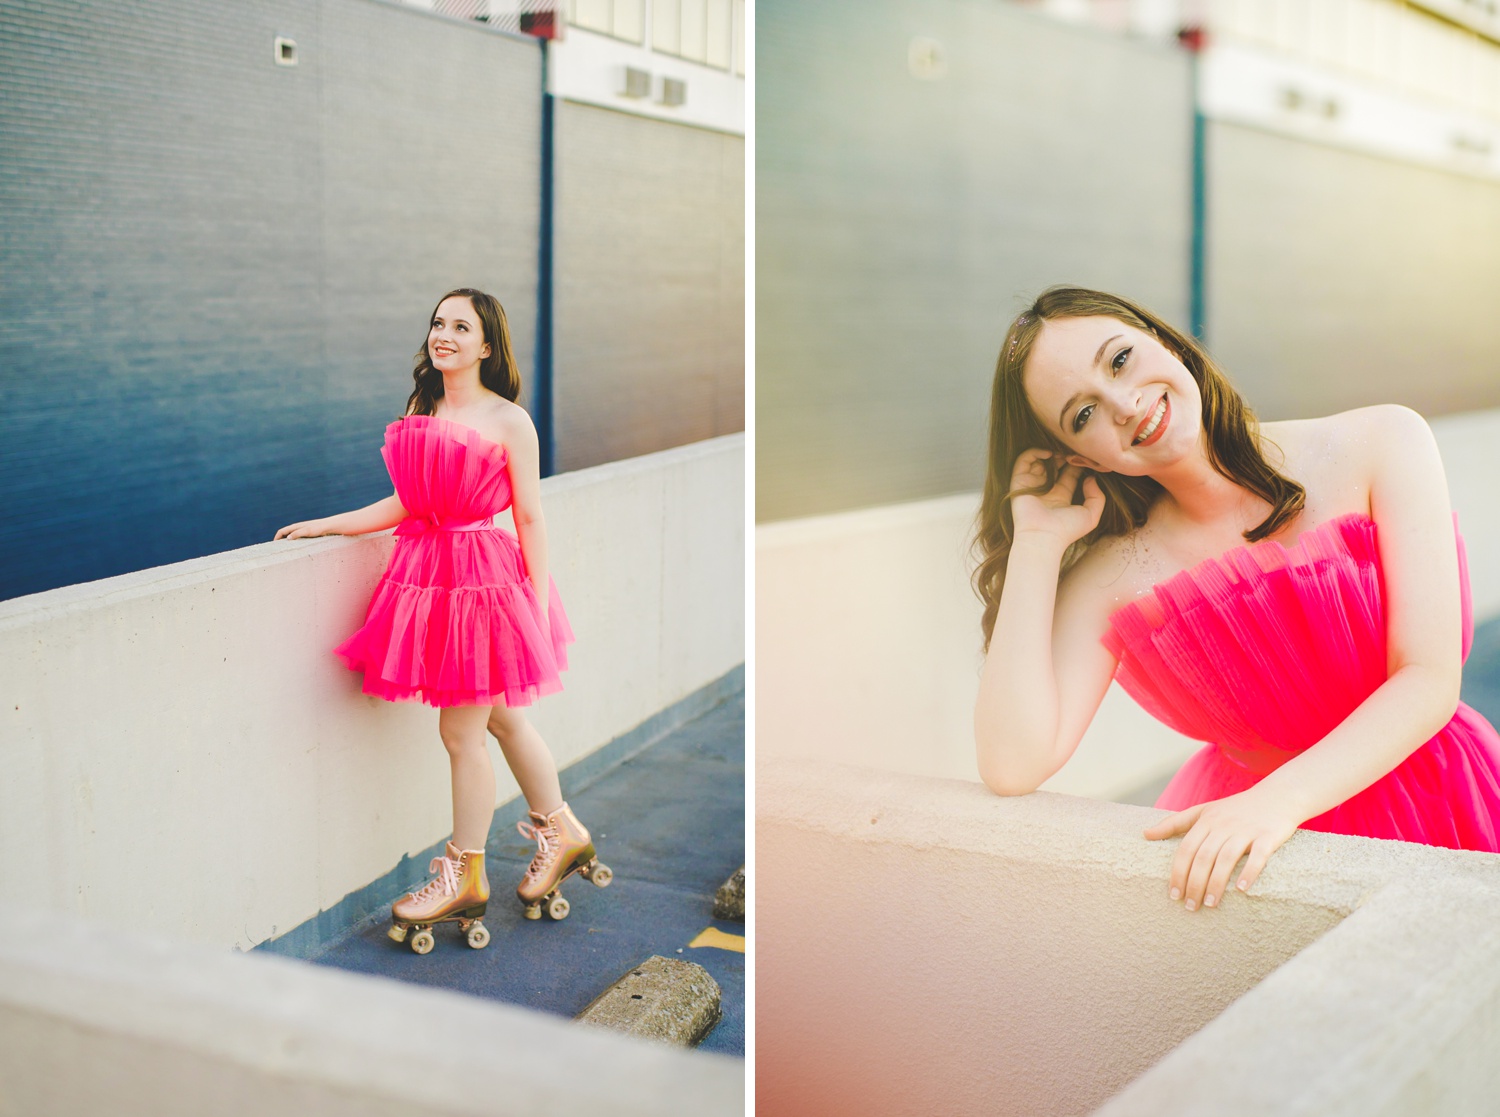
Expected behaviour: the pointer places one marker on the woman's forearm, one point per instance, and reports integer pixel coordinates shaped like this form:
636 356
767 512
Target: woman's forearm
1405 712
532 535
1016 717
372 517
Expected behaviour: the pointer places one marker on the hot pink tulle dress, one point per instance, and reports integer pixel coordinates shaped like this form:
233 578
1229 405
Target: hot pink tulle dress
1264 650
454 620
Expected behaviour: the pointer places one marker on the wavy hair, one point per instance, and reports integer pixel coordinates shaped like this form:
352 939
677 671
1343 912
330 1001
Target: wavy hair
497 372
1233 448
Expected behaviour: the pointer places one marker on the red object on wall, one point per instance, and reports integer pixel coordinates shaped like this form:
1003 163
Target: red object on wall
544 25
1193 38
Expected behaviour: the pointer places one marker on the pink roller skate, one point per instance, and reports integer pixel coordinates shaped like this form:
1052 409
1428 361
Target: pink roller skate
563 847
458 894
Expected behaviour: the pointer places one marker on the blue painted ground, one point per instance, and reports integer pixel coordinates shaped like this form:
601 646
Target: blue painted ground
670 822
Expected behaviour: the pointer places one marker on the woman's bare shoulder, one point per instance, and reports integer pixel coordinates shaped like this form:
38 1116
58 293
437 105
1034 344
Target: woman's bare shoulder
1335 451
1110 574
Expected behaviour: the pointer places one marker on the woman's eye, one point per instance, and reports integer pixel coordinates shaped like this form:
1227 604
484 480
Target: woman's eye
461 326
1119 362
1081 418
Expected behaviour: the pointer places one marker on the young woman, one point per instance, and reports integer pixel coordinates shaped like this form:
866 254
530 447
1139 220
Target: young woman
1292 592
465 617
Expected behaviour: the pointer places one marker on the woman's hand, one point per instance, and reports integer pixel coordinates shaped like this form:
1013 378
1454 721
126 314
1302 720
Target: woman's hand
1216 835
1053 511
306 529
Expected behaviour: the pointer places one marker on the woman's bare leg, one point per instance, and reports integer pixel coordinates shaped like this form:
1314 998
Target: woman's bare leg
529 758
462 730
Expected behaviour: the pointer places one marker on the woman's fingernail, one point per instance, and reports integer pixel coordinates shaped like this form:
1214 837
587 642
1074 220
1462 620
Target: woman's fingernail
1244 884
1208 901
1191 905
1176 893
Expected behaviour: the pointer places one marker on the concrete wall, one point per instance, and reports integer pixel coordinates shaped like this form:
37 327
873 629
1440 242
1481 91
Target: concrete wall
867 636
650 284
956 952
1338 278
219 268
902 222
183 753
93 1020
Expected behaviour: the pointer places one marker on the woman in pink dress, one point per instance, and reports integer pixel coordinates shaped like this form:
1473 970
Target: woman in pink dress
465 617
1293 593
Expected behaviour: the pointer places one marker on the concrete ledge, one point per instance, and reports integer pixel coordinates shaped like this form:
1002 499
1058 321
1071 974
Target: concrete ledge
200 703
661 999
95 1021
729 900
1358 977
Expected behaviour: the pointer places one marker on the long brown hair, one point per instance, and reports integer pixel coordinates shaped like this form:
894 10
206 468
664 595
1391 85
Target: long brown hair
497 372
1233 448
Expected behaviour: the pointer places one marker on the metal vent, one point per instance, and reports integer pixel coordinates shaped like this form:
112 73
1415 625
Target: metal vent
637 83
286 51
673 92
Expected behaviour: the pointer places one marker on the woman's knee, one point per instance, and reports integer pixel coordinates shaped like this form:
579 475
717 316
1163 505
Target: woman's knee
461 739
506 724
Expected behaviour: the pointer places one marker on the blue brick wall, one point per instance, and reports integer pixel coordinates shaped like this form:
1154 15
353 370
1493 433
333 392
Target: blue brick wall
215 269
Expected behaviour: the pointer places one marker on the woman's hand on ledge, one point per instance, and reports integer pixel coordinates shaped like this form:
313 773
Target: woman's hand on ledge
306 529
1216 835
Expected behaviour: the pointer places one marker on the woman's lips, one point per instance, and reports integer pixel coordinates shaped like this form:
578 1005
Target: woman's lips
1165 405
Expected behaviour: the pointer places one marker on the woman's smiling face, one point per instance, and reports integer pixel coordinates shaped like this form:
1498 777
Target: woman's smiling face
455 337
1118 398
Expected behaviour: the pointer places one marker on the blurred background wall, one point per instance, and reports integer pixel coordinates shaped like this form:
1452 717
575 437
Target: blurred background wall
1313 186
218 259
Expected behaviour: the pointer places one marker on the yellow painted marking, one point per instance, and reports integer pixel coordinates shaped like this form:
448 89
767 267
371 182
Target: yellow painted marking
712 936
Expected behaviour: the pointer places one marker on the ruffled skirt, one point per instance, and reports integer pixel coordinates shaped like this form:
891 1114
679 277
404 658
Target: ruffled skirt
1446 793
455 621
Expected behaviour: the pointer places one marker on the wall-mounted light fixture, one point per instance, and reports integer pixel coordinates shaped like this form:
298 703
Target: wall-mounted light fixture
286 51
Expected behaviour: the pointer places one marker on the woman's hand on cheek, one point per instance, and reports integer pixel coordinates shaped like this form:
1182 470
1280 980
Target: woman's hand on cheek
1215 836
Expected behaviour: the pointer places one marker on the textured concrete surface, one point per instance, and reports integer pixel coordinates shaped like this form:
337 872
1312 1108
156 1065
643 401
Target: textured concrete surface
670 823
650 284
729 900
214 707
663 999
98 1021
1041 924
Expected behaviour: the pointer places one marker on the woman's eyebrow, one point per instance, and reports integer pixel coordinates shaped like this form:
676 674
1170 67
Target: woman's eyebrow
1062 416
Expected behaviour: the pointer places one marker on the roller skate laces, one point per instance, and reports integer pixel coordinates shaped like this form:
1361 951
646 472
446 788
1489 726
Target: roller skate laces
458 893
563 847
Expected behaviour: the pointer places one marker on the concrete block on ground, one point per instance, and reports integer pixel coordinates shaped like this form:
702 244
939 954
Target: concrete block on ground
729 900
663 999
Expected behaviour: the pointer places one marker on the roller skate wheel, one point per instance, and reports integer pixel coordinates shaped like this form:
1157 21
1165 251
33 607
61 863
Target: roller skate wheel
601 875
479 936
397 933
533 911
422 942
557 907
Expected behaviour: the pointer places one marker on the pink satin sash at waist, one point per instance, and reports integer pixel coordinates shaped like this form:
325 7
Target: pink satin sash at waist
415 525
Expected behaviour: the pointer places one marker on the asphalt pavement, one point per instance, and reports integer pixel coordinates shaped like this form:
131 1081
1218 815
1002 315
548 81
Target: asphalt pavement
670 822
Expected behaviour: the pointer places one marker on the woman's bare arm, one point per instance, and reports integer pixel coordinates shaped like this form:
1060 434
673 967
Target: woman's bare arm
1409 503
1046 671
526 500
372 517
